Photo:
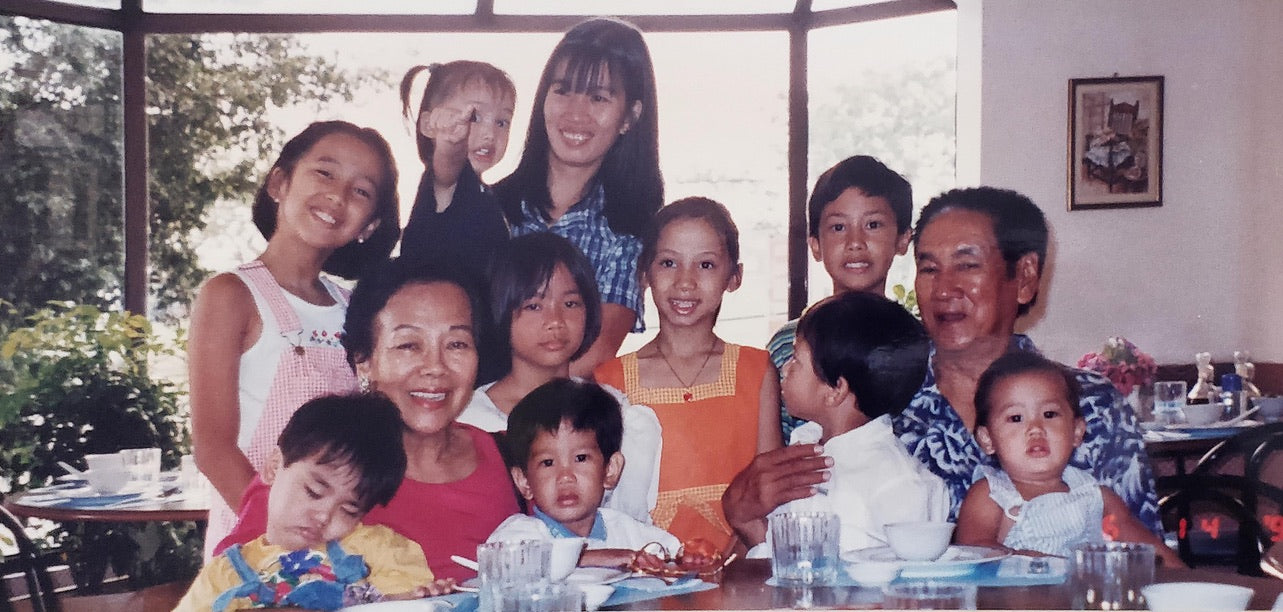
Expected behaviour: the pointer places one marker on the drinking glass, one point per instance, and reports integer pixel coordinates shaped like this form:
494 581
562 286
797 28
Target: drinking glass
143 464
1169 402
1110 575
929 596
503 566
804 548
539 597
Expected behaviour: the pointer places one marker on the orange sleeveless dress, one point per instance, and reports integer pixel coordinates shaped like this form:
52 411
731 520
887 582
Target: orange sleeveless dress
710 434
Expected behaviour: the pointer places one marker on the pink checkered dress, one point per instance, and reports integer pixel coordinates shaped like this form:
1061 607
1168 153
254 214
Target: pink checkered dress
303 372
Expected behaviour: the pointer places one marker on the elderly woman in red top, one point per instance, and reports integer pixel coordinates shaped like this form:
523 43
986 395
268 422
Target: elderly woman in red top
412 335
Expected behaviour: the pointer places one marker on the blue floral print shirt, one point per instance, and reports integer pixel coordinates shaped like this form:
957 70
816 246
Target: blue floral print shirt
1112 449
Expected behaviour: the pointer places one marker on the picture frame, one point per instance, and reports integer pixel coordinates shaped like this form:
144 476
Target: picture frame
1115 142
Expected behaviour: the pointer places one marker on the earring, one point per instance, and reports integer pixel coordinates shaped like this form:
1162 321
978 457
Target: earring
364 383
360 239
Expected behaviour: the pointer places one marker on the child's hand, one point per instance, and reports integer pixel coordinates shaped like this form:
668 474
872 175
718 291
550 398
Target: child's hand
607 557
449 124
444 586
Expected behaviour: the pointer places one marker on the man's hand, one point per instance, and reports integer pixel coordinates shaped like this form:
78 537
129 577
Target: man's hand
773 478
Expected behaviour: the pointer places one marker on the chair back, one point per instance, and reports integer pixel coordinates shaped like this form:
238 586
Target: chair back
1233 495
28 562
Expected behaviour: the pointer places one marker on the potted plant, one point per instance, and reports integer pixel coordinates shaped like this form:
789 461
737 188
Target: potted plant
74 380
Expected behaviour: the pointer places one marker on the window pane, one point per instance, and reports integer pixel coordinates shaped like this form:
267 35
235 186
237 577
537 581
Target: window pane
340 7
887 89
60 164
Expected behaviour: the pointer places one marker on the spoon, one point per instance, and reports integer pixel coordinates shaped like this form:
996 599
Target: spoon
466 562
71 469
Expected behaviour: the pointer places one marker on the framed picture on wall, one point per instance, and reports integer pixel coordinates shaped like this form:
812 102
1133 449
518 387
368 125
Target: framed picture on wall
1115 142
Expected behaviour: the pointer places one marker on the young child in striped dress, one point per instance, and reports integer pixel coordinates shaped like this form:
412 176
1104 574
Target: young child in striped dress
1033 501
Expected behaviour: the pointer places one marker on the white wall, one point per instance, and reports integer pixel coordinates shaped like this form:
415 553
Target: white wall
1202 272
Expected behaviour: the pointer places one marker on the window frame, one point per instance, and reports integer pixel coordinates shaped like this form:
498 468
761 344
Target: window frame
135 24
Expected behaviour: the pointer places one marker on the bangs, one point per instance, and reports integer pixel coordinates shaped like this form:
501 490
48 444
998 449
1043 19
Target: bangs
582 70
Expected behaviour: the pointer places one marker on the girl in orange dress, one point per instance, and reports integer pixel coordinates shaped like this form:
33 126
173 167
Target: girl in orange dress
716 402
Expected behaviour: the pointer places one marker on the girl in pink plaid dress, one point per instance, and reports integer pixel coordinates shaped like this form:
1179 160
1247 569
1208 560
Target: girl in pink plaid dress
265 338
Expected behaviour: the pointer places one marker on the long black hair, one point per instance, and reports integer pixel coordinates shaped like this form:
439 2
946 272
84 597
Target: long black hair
630 171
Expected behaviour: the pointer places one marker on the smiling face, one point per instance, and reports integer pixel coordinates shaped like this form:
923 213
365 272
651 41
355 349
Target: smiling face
1031 427
690 273
857 241
330 198
425 356
548 328
964 291
582 125
566 476
310 503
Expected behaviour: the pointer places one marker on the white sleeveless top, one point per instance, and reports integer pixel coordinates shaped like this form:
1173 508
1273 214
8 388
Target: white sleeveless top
1052 523
322 327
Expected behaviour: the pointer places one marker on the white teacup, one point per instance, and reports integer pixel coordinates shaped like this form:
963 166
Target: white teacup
919 540
104 461
107 481
565 557
1203 414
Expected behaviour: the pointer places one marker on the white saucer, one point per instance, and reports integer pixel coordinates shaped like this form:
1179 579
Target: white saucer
956 561
596 575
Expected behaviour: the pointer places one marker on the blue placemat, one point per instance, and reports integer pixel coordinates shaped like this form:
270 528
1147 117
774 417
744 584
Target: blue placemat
626 593
1012 571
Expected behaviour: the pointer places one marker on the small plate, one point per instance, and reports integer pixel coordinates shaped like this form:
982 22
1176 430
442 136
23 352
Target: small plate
956 560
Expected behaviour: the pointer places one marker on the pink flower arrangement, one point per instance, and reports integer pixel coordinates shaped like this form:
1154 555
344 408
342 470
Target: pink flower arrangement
1122 363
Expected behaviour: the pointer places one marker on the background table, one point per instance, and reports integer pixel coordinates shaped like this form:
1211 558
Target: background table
743 587
192 508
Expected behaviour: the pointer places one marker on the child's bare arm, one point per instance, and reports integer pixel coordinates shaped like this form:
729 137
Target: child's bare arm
614 557
979 519
768 419
1124 527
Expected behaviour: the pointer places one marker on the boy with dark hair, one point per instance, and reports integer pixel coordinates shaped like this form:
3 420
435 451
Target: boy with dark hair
324 474
859 219
563 439
848 381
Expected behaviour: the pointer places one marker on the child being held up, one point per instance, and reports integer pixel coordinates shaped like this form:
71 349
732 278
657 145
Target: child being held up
324 476
564 440
1035 502
848 380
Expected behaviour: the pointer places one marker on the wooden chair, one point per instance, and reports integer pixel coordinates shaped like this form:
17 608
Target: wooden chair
1122 117
1230 481
40 596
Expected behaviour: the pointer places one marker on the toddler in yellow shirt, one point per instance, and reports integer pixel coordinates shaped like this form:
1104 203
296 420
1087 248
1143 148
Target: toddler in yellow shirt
336 458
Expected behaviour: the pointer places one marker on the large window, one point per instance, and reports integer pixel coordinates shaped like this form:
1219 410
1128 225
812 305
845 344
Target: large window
885 89
61 198
220 105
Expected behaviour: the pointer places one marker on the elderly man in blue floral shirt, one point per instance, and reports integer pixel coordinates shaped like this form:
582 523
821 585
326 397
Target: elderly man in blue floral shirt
980 254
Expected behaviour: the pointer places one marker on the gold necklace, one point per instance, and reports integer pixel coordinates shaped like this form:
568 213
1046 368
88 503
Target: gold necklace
687 395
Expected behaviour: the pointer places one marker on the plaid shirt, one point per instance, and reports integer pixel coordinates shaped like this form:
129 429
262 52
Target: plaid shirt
613 256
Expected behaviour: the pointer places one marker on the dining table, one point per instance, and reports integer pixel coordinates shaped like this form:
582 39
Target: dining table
743 586
188 506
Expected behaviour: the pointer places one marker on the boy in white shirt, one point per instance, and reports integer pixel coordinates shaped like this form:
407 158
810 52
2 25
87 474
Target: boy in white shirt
564 439
858 359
